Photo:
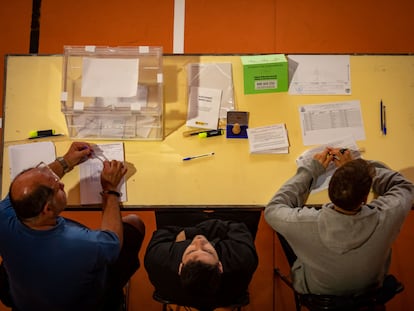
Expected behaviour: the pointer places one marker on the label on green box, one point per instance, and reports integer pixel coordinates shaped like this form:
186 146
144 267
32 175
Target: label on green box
265 73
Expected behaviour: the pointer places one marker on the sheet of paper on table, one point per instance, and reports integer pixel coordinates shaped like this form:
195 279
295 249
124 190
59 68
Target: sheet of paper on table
323 181
90 173
322 123
268 139
204 107
319 75
25 156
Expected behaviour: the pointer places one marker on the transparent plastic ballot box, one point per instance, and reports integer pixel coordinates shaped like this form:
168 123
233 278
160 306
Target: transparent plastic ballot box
113 92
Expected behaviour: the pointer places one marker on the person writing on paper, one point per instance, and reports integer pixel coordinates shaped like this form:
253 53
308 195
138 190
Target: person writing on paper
53 263
344 248
203 265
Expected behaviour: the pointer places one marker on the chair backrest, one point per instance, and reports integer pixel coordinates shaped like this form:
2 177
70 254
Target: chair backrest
241 301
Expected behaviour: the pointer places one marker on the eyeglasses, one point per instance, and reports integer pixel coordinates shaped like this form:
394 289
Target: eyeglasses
43 166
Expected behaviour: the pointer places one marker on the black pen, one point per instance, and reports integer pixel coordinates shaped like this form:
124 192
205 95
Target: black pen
360 150
342 151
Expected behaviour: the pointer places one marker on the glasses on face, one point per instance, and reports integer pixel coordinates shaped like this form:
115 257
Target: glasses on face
43 166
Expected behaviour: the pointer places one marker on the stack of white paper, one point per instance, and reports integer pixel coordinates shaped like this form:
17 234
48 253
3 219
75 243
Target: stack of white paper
268 139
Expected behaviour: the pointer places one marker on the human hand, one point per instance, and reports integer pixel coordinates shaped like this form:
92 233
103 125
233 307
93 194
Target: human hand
325 157
341 156
112 174
78 152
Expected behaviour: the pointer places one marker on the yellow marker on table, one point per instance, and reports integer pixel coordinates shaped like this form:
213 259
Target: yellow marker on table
42 134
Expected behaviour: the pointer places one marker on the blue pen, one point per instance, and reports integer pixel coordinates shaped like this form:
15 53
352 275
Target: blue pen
384 125
198 156
382 116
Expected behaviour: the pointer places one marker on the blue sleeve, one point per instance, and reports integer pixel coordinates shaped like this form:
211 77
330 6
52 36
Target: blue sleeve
109 246
6 209
7 220
106 243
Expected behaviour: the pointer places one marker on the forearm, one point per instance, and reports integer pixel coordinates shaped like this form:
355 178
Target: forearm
295 191
111 216
57 168
388 183
77 153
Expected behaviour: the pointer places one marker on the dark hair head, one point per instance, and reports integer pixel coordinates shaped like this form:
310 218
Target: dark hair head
351 183
200 279
31 204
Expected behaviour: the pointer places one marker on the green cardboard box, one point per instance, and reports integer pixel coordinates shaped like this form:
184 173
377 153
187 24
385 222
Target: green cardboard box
265 73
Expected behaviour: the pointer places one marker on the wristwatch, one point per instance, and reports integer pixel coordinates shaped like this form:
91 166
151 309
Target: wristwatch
64 164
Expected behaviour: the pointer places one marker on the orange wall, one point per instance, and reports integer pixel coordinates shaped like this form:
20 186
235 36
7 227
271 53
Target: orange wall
105 22
15 19
353 26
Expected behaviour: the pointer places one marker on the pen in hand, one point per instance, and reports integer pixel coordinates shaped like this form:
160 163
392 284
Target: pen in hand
343 150
98 158
98 153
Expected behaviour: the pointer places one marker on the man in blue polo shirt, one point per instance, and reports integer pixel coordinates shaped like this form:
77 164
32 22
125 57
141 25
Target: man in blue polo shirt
53 263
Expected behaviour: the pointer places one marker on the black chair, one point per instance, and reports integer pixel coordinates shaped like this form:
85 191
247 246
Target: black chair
373 300
166 304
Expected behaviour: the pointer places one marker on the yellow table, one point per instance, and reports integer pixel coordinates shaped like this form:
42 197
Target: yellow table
233 176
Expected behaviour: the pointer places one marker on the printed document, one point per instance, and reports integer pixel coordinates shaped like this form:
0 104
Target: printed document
268 139
90 172
319 75
203 107
214 76
326 122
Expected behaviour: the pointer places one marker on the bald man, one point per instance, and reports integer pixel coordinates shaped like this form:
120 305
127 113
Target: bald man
53 263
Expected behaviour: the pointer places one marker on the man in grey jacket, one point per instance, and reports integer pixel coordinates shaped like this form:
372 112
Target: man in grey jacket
343 248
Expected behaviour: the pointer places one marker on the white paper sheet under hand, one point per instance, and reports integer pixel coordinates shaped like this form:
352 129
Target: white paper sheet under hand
323 181
90 173
29 155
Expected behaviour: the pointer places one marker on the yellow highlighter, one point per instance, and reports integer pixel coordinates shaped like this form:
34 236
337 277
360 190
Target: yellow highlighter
210 133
